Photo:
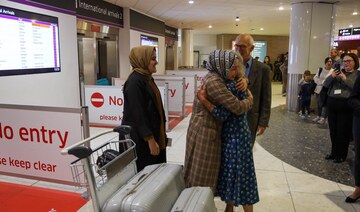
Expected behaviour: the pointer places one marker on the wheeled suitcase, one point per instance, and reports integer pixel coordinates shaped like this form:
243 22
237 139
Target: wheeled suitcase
199 199
155 188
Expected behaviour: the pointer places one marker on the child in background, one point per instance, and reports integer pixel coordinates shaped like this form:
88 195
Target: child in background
305 94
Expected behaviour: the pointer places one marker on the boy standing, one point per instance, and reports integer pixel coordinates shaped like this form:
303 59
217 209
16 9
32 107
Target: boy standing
305 94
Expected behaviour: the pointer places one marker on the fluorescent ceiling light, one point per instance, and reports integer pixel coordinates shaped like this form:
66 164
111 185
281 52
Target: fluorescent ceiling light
210 26
191 2
281 8
355 13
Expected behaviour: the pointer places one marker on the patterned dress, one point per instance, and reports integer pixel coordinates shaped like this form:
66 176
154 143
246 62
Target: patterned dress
237 179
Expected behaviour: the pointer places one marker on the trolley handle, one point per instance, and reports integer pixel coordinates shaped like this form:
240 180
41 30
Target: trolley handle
123 130
80 151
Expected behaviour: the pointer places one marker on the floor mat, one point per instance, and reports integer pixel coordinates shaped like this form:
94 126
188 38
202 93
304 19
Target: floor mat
15 197
174 121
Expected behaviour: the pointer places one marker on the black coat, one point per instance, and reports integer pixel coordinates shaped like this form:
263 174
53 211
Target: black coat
141 113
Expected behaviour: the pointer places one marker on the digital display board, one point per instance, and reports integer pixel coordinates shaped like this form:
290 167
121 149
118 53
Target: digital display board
29 43
260 48
150 41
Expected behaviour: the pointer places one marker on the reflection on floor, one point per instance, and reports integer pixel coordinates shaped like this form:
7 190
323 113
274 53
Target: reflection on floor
282 187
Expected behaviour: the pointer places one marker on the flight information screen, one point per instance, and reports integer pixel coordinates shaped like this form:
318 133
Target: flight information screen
29 43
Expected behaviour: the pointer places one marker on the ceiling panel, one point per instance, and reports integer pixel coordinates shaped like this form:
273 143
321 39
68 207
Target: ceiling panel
254 14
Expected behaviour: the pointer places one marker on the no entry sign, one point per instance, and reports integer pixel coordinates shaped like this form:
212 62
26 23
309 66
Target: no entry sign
97 99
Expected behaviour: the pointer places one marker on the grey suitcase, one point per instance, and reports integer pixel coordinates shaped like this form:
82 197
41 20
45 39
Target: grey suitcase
155 188
199 199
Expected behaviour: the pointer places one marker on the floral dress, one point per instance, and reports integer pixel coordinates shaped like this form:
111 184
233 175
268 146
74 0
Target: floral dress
237 179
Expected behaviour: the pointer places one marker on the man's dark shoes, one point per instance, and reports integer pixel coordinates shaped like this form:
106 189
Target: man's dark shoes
329 157
351 200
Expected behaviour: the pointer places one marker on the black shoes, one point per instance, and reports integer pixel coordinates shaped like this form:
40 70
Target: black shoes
329 157
338 160
335 159
351 200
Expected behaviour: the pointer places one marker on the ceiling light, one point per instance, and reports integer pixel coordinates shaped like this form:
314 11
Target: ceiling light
261 29
351 25
210 26
237 18
191 2
281 8
355 13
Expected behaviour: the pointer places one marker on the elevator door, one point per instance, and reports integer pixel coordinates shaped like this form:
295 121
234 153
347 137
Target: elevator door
98 60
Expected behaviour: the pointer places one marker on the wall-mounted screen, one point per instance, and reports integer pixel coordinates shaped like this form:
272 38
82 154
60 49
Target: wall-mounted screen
150 41
29 42
259 50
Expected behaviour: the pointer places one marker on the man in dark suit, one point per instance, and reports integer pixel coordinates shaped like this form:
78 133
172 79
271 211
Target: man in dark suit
258 74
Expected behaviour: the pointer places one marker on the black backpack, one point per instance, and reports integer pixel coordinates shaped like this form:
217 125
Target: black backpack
106 157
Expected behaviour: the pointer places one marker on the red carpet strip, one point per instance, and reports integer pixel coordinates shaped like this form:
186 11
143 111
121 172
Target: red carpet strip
174 121
14 198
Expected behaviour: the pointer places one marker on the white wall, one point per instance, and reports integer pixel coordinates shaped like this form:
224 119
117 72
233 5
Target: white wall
50 89
204 44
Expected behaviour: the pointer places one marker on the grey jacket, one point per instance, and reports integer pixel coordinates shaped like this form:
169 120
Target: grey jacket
339 88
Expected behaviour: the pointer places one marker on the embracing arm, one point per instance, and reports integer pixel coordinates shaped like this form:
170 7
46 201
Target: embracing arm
218 94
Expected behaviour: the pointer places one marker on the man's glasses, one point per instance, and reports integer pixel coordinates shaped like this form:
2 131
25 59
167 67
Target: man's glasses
240 46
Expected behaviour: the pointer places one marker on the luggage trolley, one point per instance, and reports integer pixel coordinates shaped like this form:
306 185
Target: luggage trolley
105 168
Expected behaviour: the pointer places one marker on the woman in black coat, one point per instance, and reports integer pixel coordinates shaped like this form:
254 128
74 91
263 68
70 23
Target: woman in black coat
143 109
354 102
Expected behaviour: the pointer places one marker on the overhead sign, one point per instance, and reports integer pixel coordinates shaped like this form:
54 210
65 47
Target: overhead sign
54 5
100 11
345 32
356 31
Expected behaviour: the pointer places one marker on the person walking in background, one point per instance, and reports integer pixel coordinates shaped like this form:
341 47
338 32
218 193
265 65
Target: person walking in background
277 71
354 102
143 109
203 140
284 70
319 79
259 84
305 94
267 61
340 84
335 57
237 179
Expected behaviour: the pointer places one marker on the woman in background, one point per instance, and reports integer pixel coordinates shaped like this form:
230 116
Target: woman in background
340 84
319 79
143 109
268 62
354 102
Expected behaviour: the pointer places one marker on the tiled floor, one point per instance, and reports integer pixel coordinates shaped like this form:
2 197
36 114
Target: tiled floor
282 188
